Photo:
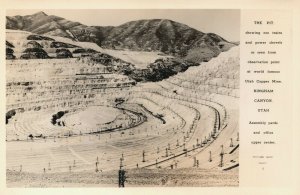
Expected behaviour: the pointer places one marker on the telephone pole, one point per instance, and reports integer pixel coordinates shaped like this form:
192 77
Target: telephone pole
122 176
221 155
144 156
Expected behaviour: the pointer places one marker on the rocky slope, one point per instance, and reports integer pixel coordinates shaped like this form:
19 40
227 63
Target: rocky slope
142 35
25 45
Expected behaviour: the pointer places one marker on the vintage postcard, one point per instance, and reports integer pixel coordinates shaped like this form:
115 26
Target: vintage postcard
112 97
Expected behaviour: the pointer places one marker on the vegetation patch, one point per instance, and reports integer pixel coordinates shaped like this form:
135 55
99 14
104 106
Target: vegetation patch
57 44
34 53
10 53
57 116
10 114
39 37
34 44
8 44
79 51
63 53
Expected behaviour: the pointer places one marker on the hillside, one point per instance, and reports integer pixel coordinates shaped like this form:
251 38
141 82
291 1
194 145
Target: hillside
24 45
162 35
41 23
139 65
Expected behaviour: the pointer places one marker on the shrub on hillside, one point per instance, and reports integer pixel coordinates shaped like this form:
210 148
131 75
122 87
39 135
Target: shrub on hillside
8 44
39 37
91 51
63 53
79 50
10 54
57 116
57 44
34 44
9 51
34 53
10 114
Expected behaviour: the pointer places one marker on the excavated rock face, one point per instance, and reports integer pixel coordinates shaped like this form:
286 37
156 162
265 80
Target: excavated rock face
61 83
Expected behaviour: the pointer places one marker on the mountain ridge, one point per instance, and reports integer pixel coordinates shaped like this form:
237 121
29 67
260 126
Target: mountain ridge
163 35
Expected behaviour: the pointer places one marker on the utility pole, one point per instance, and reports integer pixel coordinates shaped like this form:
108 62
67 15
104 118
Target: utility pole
122 176
121 163
96 170
221 155
144 156
209 159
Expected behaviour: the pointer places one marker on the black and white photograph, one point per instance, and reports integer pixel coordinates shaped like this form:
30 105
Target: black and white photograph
122 98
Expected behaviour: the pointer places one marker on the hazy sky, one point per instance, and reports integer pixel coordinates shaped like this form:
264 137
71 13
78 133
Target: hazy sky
225 23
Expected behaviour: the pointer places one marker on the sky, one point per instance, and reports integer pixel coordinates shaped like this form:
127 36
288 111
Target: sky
225 23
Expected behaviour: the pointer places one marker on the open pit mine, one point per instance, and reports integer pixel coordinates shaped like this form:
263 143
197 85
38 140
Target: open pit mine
77 115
